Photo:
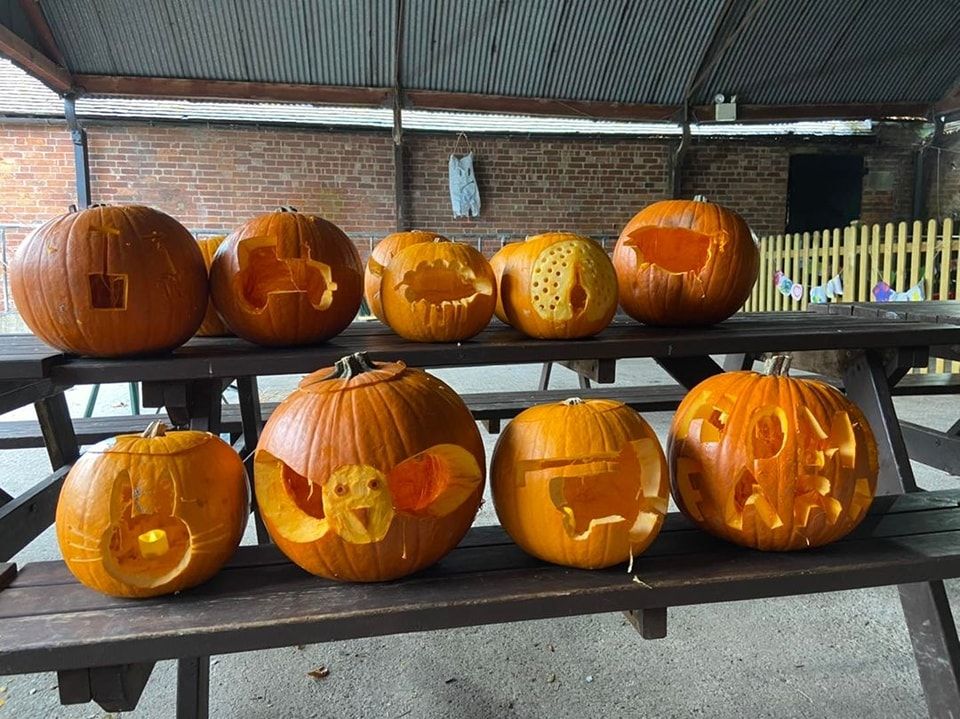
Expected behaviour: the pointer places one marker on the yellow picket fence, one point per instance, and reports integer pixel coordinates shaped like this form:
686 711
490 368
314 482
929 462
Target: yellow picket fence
918 255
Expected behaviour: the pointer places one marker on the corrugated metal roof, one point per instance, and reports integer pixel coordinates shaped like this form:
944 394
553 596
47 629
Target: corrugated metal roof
830 51
628 51
23 95
318 42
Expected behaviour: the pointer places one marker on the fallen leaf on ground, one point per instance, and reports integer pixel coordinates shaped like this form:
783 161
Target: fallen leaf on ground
451 680
319 673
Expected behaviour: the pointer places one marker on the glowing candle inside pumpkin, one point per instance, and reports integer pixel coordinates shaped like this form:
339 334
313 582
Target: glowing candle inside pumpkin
153 543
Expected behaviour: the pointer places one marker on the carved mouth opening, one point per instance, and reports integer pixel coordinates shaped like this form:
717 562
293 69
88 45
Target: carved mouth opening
107 291
146 548
440 282
674 249
265 273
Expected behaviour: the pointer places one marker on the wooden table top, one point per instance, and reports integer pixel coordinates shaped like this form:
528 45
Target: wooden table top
230 357
944 311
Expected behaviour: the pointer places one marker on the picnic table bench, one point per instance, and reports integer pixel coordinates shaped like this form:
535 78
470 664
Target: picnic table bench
103 649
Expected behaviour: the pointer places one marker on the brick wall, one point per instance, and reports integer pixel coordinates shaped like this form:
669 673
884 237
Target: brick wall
215 176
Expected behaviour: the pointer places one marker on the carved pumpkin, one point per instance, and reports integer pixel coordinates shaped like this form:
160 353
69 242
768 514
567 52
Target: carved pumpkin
498 263
110 281
154 513
369 471
287 278
380 258
556 286
580 483
772 462
685 263
438 291
212 325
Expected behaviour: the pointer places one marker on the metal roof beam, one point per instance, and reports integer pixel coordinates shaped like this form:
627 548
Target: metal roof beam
34 62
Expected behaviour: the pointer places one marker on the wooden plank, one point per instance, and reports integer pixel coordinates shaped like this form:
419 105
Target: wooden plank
7 574
932 447
193 687
650 623
876 270
901 264
916 252
806 279
863 271
114 688
26 357
19 393
849 252
323 611
53 416
754 332
603 371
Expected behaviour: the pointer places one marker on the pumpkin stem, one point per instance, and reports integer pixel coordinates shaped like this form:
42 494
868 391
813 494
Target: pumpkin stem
699 198
778 366
572 401
441 239
287 208
155 429
350 366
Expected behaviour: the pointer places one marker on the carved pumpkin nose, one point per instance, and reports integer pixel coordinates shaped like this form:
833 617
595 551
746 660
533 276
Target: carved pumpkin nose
153 543
363 514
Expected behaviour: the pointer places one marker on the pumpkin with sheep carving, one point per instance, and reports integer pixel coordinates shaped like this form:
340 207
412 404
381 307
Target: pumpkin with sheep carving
685 263
580 482
369 471
379 259
142 515
557 285
110 281
772 462
438 291
287 278
212 325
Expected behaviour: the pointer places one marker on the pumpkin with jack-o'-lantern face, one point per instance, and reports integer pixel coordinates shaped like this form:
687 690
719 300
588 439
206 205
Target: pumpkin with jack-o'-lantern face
287 278
154 513
380 257
369 471
770 461
557 285
580 483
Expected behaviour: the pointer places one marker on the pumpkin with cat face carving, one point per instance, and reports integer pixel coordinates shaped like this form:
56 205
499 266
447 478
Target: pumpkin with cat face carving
142 515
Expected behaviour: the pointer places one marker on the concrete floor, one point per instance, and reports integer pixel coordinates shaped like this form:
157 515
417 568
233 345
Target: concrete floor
845 654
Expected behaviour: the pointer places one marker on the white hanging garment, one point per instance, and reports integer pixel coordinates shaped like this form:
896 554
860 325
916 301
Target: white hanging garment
464 193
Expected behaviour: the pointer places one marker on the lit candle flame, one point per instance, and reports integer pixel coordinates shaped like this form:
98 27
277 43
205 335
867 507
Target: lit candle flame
153 543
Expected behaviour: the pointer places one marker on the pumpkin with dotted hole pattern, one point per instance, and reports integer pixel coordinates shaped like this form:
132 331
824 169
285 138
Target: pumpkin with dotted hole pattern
557 285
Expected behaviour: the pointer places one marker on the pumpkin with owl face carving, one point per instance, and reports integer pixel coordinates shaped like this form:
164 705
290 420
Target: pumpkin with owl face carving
772 462
557 285
154 513
369 471
287 278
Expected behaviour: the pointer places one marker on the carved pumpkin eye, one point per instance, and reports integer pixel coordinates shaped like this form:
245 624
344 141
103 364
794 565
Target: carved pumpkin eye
373 484
340 490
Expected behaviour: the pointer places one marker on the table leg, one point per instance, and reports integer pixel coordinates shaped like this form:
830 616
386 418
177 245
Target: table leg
925 606
954 430
193 688
689 371
545 376
57 428
248 394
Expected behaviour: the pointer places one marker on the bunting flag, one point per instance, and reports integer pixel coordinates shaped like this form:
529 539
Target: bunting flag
822 293
882 292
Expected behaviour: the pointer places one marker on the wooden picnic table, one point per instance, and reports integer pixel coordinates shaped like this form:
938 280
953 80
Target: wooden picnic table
925 444
104 649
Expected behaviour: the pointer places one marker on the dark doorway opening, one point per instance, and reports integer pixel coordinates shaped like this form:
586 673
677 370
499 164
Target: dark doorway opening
823 191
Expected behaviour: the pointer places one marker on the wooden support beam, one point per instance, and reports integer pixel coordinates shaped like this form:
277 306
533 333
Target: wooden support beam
602 371
81 153
34 62
38 21
170 87
7 574
25 517
115 689
848 111
399 165
651 623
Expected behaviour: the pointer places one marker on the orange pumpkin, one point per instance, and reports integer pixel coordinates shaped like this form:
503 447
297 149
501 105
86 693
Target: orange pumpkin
110 281
212 325
438 291
685 263
498 263
287 278
772 462
580 483
369 471
557 285
380 258
154 513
